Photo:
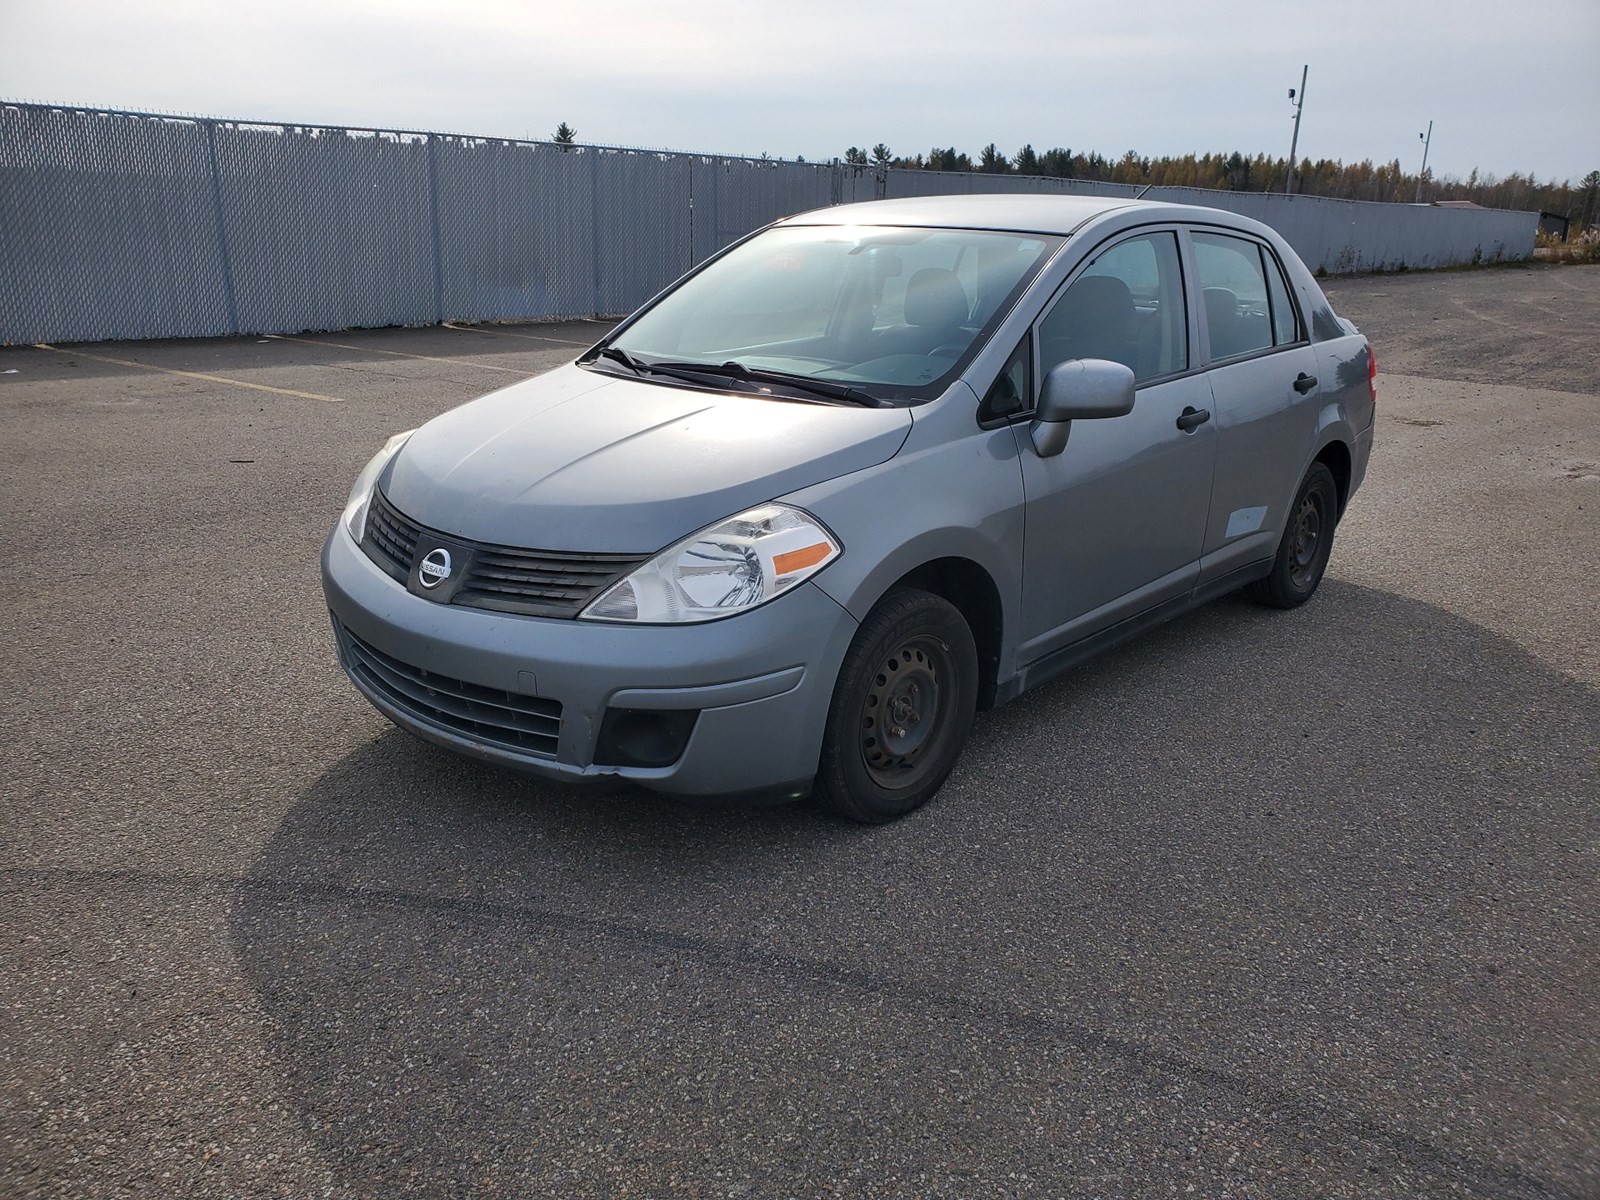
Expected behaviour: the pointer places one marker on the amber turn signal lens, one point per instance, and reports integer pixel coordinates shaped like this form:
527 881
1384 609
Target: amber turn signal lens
799 560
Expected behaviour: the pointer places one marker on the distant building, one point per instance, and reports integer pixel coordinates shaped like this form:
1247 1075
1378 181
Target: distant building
1554 224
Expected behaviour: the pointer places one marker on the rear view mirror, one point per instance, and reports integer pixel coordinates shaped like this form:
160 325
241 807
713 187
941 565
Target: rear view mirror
885 264
1080 389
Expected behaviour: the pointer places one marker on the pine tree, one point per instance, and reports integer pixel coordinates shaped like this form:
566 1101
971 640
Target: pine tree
1591 198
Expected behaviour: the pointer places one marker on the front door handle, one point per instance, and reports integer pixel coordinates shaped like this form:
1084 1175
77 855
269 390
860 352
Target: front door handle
1193 418
1303 383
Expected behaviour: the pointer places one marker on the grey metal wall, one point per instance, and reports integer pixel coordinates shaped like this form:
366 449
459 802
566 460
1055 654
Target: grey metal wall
1339 236
1342 236
124 225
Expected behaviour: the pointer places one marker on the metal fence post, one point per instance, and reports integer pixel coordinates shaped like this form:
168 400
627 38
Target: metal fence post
594 229
223 257
717 238
433 216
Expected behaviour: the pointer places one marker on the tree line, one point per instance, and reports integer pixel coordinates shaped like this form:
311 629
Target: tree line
1389 182
1364 180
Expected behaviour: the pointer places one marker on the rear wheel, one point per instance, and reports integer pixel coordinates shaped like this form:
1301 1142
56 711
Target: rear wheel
902 708
1306 543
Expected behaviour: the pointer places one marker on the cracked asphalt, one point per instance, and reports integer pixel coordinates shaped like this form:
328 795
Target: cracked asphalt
1261 905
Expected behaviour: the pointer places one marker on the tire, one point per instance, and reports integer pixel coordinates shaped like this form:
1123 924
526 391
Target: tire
914 657
1306 543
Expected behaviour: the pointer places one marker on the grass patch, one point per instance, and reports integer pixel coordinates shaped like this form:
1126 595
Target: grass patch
1585 248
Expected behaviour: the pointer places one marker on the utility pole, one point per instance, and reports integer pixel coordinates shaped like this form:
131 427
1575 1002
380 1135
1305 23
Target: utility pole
1427 140
1295 143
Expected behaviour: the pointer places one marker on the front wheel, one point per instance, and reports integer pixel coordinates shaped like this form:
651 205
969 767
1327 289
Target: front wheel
1306 543
902 708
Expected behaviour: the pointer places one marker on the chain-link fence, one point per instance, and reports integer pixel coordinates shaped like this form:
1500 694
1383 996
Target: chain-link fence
129 225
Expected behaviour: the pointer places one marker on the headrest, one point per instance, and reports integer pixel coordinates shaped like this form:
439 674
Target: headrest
1099 306
935 299
1222 305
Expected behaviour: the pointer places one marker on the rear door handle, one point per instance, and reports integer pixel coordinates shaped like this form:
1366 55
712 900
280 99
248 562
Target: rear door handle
1304 383
1193 418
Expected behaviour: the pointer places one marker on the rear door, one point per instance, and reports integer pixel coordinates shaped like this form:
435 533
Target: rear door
1264 390
1115 523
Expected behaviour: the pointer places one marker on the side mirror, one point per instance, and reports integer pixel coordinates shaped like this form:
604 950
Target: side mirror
1080 389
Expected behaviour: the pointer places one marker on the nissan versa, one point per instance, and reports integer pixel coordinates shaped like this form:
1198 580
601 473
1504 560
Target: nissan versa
861 474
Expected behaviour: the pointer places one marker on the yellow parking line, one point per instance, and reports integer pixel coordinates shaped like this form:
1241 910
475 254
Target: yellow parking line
530 337
467 362
124 362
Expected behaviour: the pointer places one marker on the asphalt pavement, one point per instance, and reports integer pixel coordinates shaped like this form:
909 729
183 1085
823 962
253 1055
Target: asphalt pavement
1261 905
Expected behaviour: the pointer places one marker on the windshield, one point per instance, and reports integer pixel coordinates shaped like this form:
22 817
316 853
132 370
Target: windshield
890 313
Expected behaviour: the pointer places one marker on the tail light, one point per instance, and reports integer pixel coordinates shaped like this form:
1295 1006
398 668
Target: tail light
1372 373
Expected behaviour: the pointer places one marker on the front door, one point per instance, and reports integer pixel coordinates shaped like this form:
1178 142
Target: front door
1116 522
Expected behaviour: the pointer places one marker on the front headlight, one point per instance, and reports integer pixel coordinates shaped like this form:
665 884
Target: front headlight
355 508
729 568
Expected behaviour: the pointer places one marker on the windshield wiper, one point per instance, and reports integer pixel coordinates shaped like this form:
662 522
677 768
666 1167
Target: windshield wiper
693 372
689 372
618 355
800 383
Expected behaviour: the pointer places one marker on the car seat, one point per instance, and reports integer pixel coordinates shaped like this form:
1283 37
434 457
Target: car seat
936 307
1222 321
1095 319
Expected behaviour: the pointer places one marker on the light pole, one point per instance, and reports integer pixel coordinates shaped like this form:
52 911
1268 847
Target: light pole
1295 141
1427 140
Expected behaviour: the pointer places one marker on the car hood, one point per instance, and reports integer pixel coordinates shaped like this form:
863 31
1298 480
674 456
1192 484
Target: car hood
578 460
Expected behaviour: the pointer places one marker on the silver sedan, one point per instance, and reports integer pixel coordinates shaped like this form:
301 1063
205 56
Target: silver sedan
863 473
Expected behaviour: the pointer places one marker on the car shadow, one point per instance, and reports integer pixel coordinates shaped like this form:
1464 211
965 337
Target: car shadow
1292 900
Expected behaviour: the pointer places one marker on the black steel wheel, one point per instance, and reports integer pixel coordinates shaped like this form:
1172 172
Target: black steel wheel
902 708
1306 543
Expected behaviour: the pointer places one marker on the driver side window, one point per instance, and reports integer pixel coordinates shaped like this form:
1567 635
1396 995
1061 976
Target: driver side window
1126 307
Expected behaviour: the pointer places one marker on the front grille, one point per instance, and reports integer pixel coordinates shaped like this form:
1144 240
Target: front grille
526 724
391 539
540 583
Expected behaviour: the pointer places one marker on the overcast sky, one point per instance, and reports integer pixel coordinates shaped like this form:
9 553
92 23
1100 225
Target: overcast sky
1508 86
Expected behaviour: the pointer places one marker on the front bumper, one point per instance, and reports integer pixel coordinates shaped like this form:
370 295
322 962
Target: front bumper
761 681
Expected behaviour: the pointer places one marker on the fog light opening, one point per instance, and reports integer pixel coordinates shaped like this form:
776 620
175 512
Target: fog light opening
644 737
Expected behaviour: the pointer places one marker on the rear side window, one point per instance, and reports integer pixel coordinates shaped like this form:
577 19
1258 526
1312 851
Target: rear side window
1246 301
1285 324
1126 307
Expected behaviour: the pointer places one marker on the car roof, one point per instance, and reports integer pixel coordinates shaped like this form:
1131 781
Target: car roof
1017 213
1058 215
